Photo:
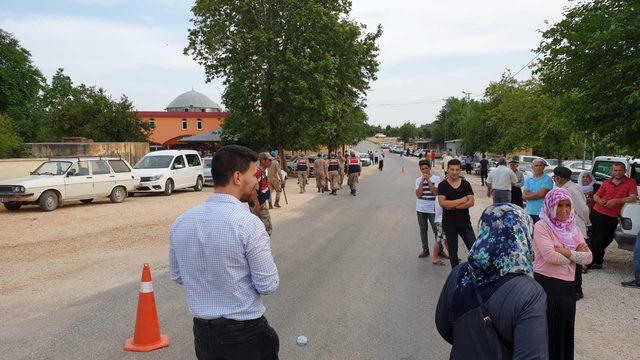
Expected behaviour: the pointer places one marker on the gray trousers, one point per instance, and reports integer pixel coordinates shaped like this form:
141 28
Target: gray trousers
501 196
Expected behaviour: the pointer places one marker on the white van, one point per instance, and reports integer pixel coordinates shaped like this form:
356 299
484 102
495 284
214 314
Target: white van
167 170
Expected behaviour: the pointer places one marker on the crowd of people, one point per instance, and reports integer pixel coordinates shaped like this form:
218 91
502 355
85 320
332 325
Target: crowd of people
487 309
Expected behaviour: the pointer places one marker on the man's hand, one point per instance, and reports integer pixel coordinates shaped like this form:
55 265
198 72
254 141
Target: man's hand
610 203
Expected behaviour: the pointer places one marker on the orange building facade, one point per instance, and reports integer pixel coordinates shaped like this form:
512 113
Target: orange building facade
170 127
191 113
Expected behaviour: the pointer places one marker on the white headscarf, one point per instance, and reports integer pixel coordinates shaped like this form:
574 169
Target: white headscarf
586 188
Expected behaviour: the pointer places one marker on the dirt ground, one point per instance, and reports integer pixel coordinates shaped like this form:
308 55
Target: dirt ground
52 259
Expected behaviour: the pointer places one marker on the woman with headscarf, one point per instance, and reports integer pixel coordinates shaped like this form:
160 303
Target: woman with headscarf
585 183
558 246
489 308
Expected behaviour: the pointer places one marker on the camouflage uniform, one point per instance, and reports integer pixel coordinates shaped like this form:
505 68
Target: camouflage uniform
275 182
333 165
302 169
264 215
340 171
320 170
354 166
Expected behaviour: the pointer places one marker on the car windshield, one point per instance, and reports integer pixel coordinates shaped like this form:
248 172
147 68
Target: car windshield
602 170
552 162
52 168
154 162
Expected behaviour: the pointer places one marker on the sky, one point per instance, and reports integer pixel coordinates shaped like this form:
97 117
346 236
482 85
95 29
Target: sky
429 50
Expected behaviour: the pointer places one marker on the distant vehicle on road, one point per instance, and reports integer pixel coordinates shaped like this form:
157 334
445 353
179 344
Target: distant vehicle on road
364 159
168 170
66 179
206 170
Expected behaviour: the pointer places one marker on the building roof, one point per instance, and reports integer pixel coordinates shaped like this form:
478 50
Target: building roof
193 100
182 114
208 136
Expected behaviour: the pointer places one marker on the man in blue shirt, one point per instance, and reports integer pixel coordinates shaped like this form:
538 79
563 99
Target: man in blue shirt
535 188
221 254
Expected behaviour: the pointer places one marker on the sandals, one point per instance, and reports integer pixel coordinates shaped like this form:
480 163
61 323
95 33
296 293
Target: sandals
438 262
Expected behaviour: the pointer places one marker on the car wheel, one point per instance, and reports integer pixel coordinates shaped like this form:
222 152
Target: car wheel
168 187
118 194
48 201
86 201
12 205
199 184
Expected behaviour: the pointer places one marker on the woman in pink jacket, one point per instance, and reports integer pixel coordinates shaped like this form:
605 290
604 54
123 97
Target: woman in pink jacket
558 246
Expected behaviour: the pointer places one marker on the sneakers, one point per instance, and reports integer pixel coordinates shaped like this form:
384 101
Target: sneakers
594 266
424 253
631 284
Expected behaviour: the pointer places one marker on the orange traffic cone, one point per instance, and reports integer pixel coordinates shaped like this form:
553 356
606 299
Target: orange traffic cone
147 335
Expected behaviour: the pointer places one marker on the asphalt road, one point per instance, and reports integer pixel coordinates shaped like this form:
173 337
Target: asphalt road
350 281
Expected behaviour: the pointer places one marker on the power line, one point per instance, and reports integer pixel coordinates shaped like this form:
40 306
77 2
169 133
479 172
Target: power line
522 68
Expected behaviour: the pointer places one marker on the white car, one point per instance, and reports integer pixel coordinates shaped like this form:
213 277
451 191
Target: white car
59 180
206 170
168 170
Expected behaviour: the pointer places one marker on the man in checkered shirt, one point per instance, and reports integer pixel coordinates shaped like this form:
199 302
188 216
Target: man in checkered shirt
221 254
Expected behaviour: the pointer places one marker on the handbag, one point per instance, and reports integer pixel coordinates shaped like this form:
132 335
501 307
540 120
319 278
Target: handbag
496 340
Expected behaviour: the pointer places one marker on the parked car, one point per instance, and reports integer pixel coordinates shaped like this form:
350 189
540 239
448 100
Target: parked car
385 145
66 179
206 170
364 159
629 226
168 170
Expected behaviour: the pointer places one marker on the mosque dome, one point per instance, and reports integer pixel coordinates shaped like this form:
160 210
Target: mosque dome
193 101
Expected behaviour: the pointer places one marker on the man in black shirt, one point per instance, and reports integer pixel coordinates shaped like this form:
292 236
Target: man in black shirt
484 169
456 197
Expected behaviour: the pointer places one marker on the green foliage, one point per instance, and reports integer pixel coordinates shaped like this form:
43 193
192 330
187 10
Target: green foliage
88 112
591 63
10 141
20 85
295 72
407 132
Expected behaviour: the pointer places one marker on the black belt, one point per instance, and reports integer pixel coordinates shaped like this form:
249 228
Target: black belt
223 321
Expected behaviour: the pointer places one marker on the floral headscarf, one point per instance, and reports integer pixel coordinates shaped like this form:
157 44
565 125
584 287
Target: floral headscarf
503 245
586 188
565 230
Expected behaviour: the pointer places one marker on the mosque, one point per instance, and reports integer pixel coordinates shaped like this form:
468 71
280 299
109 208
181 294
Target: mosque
190 118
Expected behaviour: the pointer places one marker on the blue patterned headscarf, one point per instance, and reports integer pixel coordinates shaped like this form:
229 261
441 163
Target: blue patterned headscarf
503 245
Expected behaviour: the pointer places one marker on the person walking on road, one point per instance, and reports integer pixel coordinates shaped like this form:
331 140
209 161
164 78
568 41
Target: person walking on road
468 163
341 164
609 199
225 265
489 308
333 167
302 169
535 188
500 181
353 170
320 171
258 203
562 179
455 195
276 180
380 161
376 156
558 246
426 189
484 169
516 189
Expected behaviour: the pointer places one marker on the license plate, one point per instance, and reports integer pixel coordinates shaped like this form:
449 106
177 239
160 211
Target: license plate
4 199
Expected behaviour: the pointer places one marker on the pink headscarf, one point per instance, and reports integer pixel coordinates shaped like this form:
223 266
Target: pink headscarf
565 230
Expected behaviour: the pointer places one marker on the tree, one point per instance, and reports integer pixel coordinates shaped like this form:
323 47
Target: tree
20 85
590 62
10 142
407 132
88 112
295 71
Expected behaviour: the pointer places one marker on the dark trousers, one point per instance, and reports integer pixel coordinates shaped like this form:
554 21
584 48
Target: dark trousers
423 222
483 175
561 316
225 339
380 164
516 196
451 232
602 229
577 283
